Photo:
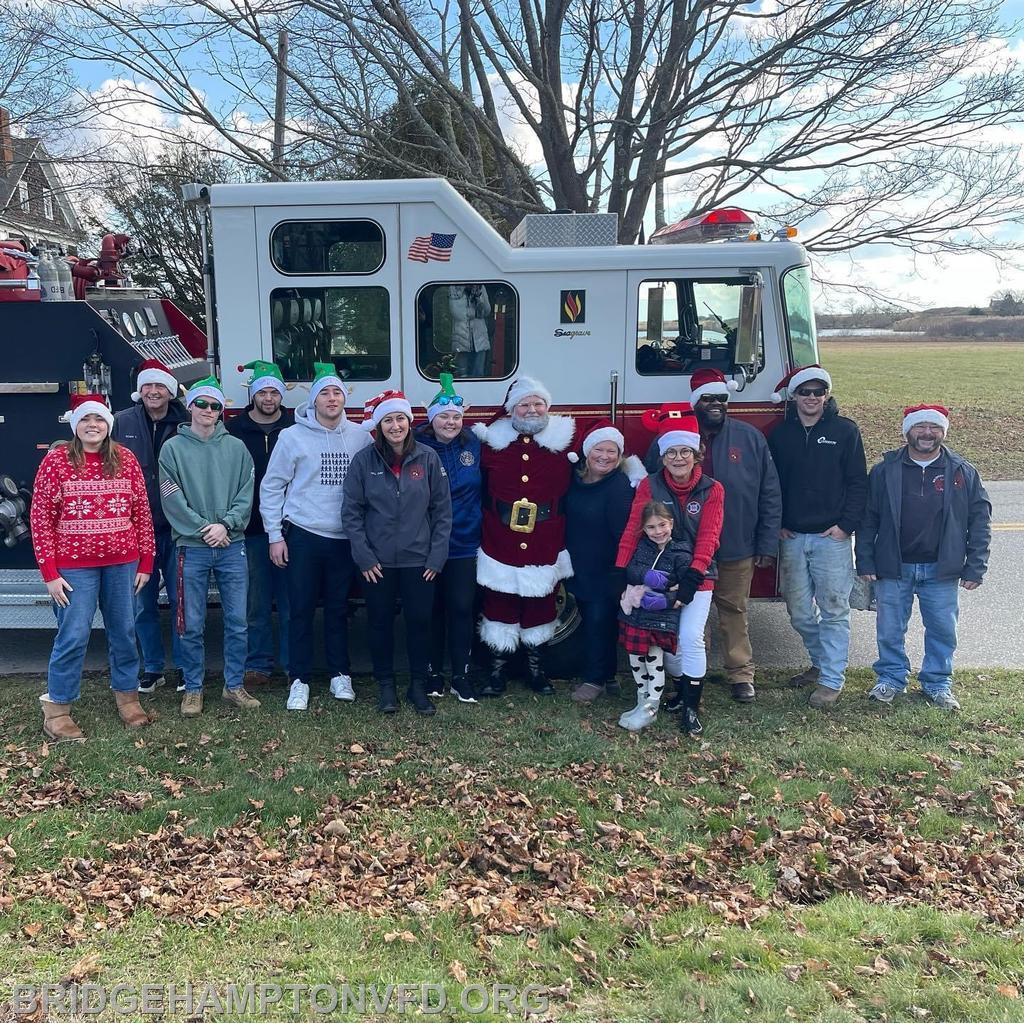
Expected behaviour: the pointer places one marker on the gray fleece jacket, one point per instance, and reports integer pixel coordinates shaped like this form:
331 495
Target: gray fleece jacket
305 478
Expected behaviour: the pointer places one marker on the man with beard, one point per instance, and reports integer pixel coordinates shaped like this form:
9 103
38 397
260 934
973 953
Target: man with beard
143 429
737 455
926 532
258 426
522 555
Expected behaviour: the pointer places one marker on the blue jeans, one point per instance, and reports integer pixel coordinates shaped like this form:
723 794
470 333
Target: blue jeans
817 576
268 585
111 588
147 610
939 601
229 568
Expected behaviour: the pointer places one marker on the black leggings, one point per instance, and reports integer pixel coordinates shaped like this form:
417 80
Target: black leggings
453 615
417 602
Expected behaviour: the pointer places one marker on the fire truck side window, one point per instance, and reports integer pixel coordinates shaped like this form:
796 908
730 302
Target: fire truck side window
796 292
327 247
683 324
350 327
470 329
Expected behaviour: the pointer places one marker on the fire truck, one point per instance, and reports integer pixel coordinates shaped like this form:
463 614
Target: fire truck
393 281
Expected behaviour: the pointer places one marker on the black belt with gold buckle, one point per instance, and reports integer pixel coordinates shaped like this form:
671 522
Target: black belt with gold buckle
523 515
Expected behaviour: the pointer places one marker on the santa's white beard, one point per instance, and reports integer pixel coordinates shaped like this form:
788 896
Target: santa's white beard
529 426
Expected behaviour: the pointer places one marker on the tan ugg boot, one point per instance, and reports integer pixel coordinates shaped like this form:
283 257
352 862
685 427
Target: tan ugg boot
130 709
58 723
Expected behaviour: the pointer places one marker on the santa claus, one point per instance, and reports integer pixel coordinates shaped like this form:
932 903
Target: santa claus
522 555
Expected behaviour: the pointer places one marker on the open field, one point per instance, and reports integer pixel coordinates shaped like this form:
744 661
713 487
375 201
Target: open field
864 865
978 382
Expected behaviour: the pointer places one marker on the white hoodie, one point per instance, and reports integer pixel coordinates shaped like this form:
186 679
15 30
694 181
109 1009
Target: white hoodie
304 483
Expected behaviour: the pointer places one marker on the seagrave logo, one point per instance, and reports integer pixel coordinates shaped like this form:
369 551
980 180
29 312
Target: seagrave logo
574 307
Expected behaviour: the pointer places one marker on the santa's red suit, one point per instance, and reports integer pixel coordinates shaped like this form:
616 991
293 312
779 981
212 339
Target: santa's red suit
522 555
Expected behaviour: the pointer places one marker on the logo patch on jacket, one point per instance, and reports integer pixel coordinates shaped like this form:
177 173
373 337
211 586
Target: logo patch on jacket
693 507
416 472
735 455
939 482
467 458
958 481
825 440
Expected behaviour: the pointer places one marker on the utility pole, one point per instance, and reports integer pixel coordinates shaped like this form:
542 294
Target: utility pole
277 155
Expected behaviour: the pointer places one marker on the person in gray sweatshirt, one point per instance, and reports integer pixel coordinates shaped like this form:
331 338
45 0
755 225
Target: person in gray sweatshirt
301 499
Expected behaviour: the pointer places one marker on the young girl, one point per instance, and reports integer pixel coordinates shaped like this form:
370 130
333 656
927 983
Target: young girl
649 622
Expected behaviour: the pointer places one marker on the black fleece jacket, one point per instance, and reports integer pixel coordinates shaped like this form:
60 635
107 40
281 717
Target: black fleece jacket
822 471
260 443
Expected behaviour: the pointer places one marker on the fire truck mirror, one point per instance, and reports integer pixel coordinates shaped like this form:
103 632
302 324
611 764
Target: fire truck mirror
749 327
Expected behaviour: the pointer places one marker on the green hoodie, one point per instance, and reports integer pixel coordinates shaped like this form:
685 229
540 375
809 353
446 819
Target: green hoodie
205 481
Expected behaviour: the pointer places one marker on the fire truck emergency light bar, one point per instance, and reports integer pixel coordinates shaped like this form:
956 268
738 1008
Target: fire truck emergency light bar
728 222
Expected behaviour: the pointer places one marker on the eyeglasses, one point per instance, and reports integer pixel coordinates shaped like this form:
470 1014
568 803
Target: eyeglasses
812 392
451 399
203 403
721 399
677 453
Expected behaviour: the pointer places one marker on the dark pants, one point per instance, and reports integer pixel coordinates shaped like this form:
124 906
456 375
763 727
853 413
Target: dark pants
600 639
417 605
453 618
317 565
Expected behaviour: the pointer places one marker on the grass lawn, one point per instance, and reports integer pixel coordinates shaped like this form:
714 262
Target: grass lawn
874 380
862 865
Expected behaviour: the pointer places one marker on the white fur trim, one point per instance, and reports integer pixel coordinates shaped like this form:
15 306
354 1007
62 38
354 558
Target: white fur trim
206 391
330 381
925 415
635 470
537 634
674 437
385 408
436 410
501 637
811 373
260 382
556 436
157 376
606 433
778 397
523 581
715 387
523 387
91 408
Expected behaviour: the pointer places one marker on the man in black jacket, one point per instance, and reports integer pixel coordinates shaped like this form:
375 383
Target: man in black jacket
258 427
926 531
819 456
143 428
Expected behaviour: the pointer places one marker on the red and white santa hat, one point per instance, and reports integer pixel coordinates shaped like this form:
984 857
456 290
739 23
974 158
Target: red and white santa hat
709 381
523 387
675 424
382 405
800 375
153 371
83 405
937 414
602 430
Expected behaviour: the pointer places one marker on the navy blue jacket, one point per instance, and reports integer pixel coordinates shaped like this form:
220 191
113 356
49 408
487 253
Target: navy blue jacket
260 445
461 461
966 521
134 429
595 516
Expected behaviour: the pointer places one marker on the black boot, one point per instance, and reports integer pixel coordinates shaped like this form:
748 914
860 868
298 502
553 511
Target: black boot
495 684
387 698
675 698
536 679
462 686
435 683
417 695
692 688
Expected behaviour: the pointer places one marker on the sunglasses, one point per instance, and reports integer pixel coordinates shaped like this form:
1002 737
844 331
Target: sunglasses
721 399
203 403
451 399
812 392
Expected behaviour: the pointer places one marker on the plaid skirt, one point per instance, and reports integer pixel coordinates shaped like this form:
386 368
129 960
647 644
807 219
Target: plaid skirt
636 640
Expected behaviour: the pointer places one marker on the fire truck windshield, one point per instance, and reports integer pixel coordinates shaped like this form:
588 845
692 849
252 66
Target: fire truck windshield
796 294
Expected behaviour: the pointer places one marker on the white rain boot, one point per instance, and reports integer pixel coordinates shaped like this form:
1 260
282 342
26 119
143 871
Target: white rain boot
649 674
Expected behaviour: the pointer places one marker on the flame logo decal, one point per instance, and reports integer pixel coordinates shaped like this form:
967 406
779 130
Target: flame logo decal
573 306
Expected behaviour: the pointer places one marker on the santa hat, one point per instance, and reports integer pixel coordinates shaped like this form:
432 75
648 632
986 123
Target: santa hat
937 414
153 371
523 387
83 405
709 381
602 430
208 387
383 405
446 400
795 377
675 425
325 374
264 374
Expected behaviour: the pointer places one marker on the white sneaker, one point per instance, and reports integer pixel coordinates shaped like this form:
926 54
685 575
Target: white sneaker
341 688
298 696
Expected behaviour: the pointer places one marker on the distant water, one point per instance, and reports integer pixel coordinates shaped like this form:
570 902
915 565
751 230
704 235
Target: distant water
865 332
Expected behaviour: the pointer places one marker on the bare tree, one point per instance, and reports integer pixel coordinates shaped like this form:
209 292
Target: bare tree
872 121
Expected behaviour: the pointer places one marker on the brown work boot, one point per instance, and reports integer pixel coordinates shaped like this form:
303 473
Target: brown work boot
809 676
130 709
58 723
586 692
824 698
743 692
257 679
239 698
191 705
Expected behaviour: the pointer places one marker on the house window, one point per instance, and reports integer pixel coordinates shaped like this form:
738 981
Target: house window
23 195
48 206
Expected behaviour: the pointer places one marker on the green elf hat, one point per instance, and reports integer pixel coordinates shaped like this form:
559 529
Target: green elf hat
264 374
325 375
208 387
446 400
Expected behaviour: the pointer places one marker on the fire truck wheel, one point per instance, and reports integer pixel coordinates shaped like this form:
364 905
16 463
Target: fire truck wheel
563 656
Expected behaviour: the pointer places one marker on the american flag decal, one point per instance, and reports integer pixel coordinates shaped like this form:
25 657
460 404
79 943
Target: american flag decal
432 246
168 487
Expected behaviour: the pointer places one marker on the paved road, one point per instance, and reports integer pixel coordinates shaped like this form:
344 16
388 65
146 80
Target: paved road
990 617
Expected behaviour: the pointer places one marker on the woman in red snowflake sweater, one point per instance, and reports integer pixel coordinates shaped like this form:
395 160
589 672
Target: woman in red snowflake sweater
93 538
